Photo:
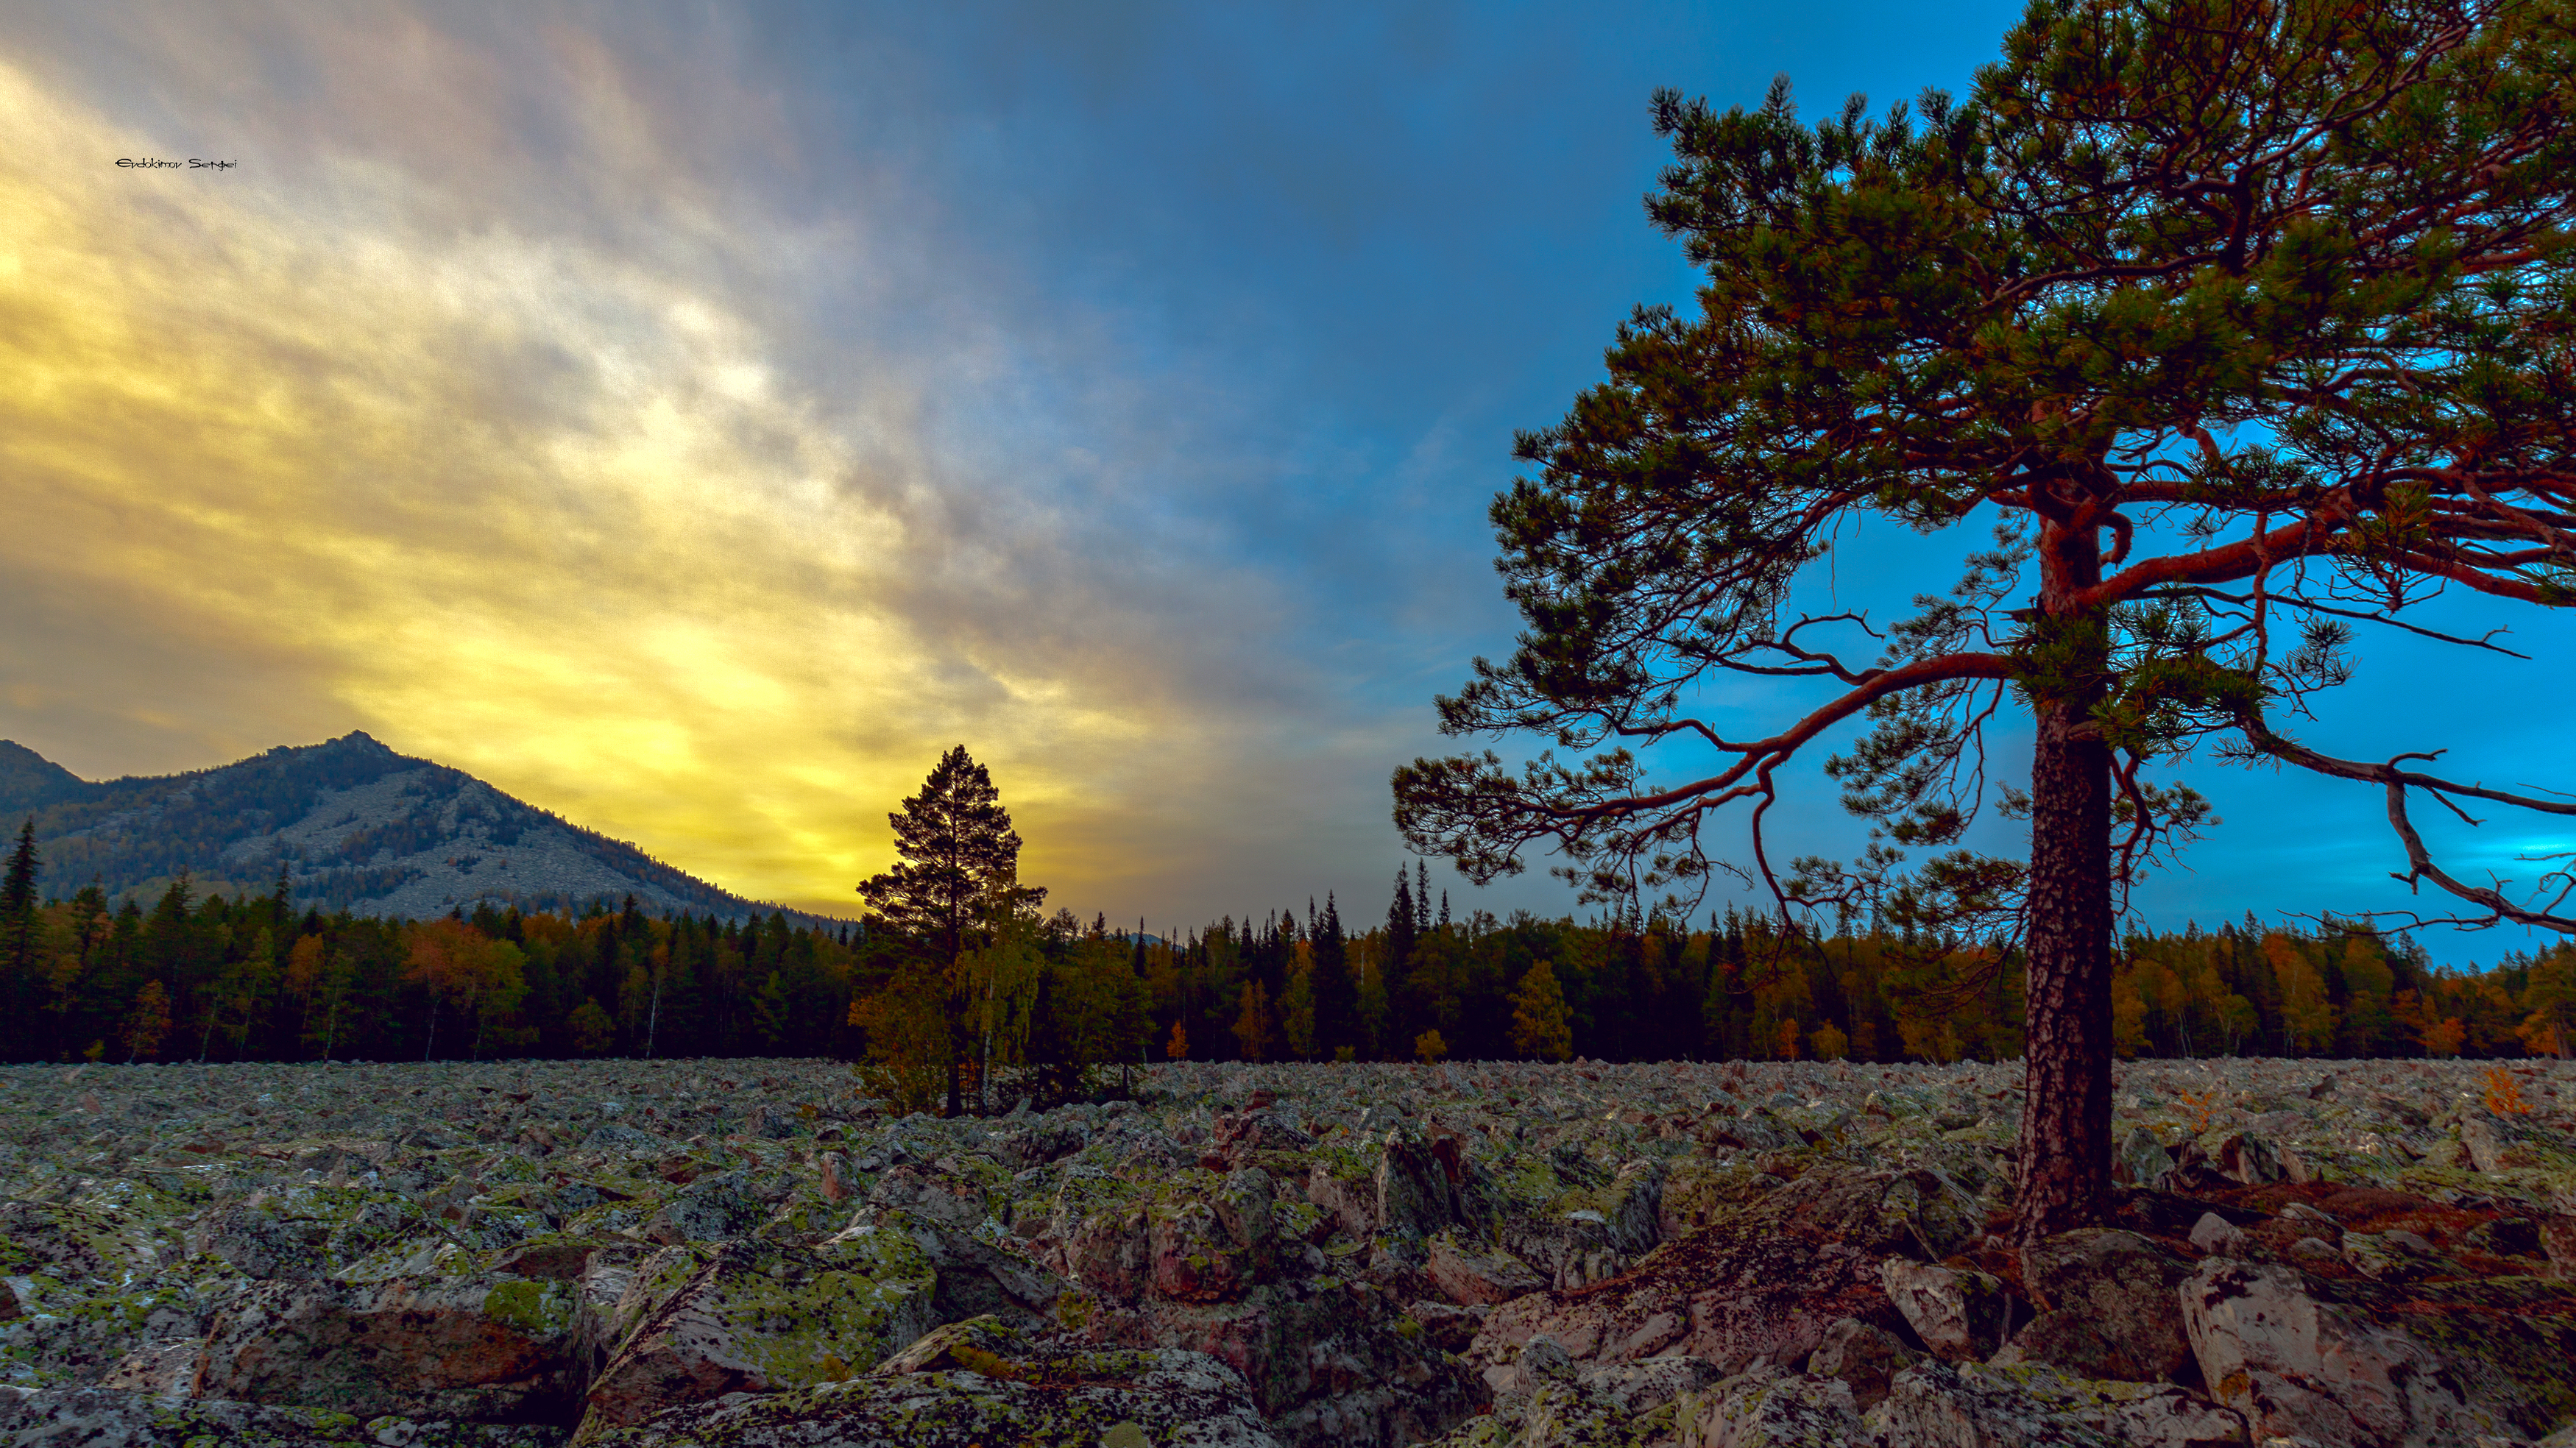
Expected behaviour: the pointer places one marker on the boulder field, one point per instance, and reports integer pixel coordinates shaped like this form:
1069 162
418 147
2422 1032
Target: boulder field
748 1253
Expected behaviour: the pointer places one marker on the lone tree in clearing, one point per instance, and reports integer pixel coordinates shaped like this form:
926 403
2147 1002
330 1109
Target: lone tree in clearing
2232 323
960 864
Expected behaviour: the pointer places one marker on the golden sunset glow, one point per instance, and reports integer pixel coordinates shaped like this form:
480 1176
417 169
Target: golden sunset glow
519 503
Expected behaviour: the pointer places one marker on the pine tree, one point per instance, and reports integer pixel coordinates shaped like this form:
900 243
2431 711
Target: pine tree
960 858
2197 332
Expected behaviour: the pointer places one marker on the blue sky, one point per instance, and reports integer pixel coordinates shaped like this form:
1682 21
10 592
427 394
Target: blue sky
695 418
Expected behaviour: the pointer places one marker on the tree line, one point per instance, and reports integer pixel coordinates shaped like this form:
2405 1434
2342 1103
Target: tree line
1054 1002
1051 1006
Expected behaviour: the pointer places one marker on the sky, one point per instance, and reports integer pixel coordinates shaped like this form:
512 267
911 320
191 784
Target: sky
694 419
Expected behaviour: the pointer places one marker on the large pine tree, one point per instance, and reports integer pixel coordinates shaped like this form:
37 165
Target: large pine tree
2200 331
960 859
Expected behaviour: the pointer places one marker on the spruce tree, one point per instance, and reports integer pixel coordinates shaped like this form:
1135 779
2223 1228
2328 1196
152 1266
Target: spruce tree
1400 926
18 935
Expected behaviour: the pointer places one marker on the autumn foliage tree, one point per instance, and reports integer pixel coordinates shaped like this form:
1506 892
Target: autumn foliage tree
2207 329
1541 1026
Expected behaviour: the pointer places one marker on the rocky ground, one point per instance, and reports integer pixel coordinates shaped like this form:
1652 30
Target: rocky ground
747 1253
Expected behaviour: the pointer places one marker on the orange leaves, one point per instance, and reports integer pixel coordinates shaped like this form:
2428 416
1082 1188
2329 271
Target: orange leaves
2502 1093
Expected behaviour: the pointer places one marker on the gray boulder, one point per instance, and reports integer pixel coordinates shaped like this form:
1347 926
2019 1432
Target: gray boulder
1773 1408
980 1382
2109 1307
255 1244
2356 1366
2141 1161
1470 1277
1863 1356
98 1418
761 1319
1956 1312
1939 1405
488 1350
710 1209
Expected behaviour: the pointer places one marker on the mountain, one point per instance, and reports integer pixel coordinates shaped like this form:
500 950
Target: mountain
358 827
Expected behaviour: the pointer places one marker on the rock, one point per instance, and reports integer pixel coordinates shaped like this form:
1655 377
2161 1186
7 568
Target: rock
710 1209
1238 1138
1351 1206
65 1242
1863 1356
1543 1400
948 1200
2393 1257
2505 1237
2141 1161
1956 1312
1244 1209
1764 1283
478 1350
1111 1253
1326 1365
1413 1192
2558 1240
1037 1145
1773 1408
1592 1204
757 1318
2249 1159
1975 1406
2219 1237
2505 1143
1195 1259
98 1418
2109 1307
2345 1368
611 1138
553 1261
161 1369
982 1383
832 1175
1469 1277
255 1244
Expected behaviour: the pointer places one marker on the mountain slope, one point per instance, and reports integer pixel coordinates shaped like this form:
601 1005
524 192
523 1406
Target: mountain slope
356 825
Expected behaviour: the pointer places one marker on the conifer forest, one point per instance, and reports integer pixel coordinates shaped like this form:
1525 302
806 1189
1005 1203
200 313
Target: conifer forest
217 978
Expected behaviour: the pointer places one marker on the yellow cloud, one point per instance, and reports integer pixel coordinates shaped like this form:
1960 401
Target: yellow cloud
510 499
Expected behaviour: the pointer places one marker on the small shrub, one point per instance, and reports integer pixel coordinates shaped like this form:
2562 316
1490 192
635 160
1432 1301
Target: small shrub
2503 1093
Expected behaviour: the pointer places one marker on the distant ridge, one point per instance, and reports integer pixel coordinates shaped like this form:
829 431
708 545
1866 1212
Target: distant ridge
358 827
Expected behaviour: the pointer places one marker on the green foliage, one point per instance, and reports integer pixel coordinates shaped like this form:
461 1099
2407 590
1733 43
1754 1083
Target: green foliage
2231 325
956 879
908 1049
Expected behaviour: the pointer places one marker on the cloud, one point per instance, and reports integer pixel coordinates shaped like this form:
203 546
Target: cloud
545 484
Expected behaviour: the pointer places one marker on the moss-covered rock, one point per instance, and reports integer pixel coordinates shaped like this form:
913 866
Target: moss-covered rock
982 1384
101 1418
486 1350
758 1318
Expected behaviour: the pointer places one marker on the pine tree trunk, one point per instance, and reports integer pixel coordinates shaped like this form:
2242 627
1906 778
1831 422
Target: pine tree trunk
2065 1169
